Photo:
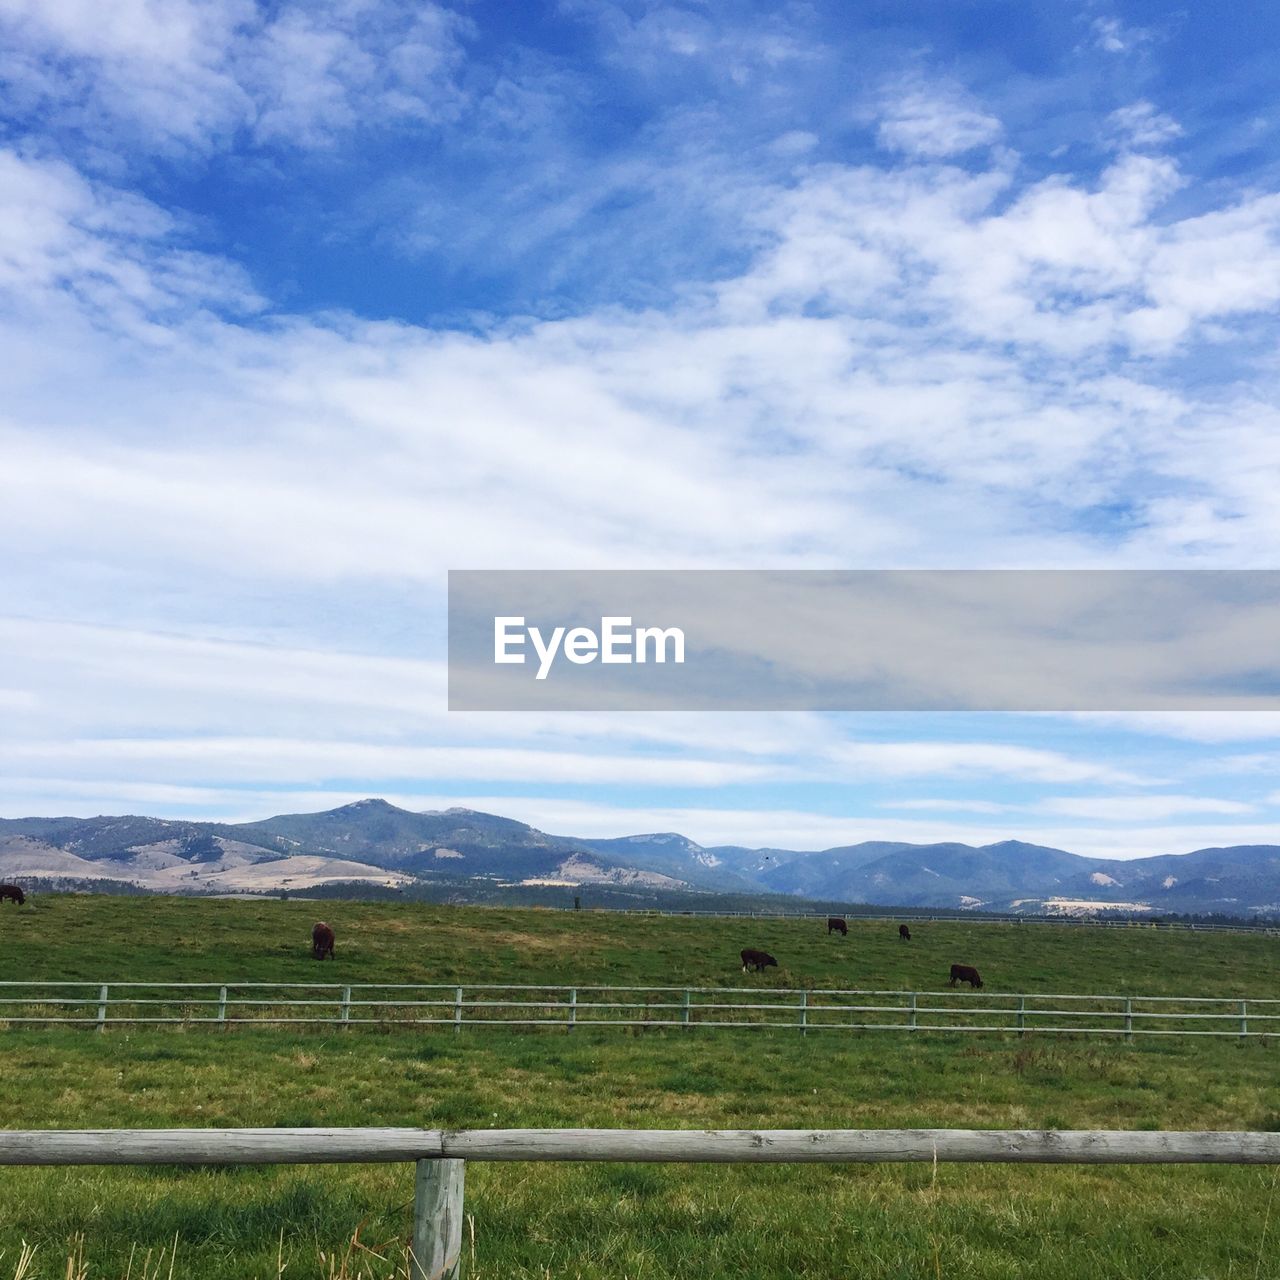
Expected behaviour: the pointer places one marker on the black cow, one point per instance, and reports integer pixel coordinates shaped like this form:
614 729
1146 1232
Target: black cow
757 960
836 925
904 933
12 893
321 940
965 973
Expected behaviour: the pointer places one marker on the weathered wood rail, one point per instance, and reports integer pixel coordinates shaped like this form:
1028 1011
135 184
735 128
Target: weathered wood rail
350 1006
440 1155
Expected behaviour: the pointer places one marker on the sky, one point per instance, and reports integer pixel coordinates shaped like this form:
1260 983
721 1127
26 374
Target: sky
304 305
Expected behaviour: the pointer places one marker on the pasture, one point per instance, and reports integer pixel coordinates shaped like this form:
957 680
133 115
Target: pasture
589 1221
108 939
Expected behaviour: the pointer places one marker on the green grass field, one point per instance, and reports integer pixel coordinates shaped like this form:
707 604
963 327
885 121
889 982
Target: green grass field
106 939
578 1220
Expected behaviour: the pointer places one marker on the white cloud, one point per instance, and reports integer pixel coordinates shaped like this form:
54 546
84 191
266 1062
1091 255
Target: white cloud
198 73
937 805
649 435
1141 125
976 759
650 41
1112 36
1151 808
317 762
71 245
933 122
919 365
1192 726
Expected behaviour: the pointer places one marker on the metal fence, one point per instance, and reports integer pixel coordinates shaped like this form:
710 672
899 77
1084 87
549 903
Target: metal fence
440 1156
348 1007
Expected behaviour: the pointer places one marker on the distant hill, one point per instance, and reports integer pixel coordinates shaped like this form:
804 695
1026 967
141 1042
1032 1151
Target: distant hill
463 854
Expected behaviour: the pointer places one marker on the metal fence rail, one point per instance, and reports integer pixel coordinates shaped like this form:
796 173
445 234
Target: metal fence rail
352 1006
440 1156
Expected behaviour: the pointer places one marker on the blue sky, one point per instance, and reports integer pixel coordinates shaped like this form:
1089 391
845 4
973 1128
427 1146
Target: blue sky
304 305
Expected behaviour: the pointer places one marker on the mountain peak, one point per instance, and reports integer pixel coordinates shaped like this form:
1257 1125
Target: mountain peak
372 804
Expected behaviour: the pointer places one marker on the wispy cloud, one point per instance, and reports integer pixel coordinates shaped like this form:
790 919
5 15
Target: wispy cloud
932 121
1113 36
792 308
199 73
1140 125
1153 808
977 759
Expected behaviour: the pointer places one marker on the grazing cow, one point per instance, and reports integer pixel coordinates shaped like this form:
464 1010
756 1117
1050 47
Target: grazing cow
757 960
836 925
321 940
904 933
12 893
965 973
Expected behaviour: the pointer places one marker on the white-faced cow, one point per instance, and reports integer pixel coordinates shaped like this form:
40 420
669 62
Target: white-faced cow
757 960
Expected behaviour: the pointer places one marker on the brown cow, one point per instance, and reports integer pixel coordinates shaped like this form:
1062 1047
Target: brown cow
965 973
836 925
12 893
904 933
757 960
321 940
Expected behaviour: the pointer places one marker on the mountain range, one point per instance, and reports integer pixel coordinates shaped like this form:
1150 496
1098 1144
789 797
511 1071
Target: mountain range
374 845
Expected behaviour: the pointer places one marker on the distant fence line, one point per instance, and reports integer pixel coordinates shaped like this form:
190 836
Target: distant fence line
440 1156
562 1008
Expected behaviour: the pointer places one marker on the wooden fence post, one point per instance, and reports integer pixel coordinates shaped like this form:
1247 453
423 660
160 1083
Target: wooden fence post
1022 1015
911 1025
222 1007
573 1008
437 1220
1244 1018
804 1013
344 1010
684 1008
1128 1019
102 1007
457 1009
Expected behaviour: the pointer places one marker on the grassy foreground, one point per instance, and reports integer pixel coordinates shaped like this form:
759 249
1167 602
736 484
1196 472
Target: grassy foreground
596 1221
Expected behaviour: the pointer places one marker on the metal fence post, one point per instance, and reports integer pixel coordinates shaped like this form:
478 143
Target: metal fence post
804 1013
1128 1019
344 1010
1022 1015
1244 1018
222 1007
684 1008
437 1220
102 1007
911 1024
457 1009
573 1008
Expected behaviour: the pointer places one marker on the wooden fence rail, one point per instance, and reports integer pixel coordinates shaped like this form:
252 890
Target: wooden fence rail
440 1155
350 1006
